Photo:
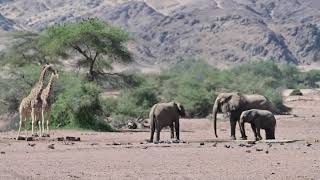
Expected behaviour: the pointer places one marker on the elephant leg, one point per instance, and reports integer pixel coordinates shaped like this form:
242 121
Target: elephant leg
158 134
233 123
267 133
258 132
152 129
270 134
177 127
243 131
253 126
172 131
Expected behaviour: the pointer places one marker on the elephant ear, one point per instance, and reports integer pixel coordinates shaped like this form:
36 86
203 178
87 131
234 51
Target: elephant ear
245 114
234 101
180 109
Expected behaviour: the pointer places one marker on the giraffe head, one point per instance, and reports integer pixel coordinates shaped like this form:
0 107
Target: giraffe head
56 74
44 70
48 67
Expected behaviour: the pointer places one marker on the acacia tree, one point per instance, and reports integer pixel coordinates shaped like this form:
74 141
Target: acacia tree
98 43
94 44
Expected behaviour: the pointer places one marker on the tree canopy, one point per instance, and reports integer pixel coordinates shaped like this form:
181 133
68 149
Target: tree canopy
98 43
25 50
93 43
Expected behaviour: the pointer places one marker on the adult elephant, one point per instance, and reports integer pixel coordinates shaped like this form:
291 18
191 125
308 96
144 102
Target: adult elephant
233 104
165 114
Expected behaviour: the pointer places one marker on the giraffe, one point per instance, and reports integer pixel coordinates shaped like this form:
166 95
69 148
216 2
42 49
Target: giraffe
28 104
46 103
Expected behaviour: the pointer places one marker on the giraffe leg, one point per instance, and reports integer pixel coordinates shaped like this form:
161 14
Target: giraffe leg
36 132
43 116
33 118
25 128
48 121
39 130
20 124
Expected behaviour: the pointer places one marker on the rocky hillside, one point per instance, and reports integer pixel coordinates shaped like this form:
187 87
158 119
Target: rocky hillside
166 32
6 24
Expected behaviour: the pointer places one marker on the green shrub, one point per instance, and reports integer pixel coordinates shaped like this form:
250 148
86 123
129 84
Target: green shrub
79 107
137 102
188 85
109 106
311 78
292 76
17 85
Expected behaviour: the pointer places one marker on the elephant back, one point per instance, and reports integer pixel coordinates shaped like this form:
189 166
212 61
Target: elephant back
164 113
257 101
166 109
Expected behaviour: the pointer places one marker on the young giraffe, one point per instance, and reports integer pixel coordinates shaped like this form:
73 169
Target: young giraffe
46 103
28 104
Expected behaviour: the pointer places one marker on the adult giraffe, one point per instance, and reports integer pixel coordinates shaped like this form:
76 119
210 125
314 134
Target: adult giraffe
29 104
46 103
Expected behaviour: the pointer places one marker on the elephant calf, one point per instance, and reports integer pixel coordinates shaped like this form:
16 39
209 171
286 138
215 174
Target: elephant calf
259 119
165 114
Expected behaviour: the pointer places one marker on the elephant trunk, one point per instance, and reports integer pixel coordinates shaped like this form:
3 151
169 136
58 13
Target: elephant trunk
214 113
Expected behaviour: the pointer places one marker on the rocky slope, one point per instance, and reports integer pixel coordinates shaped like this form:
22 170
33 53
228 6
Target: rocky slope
166 32
6 24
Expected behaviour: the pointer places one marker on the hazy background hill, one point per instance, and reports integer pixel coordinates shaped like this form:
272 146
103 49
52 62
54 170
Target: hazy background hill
221 32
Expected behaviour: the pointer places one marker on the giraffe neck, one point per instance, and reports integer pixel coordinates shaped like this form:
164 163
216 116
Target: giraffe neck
37 89
49 86
41 78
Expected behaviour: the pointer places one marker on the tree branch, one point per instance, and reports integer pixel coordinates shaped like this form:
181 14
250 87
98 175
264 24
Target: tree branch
89 50
109 74
77 48
95 57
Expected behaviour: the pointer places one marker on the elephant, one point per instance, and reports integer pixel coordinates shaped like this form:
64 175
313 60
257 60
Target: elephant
233 104
259 119
165 114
